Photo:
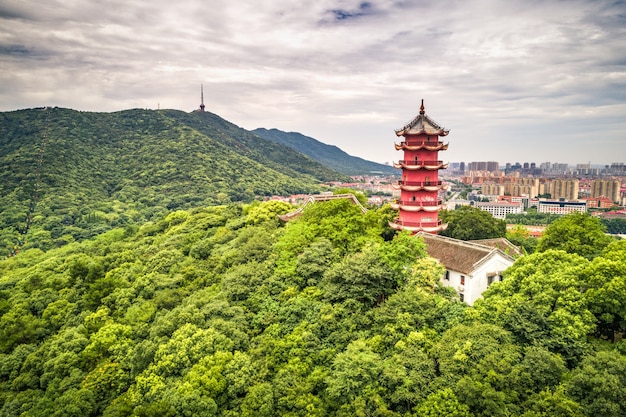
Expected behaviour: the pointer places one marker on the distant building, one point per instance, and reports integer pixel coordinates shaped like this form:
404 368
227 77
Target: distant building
492 189
500 209
490 166
561 207
599 202
470 267
564 188
606 188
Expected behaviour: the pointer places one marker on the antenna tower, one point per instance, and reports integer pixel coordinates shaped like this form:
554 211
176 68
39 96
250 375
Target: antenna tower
201 98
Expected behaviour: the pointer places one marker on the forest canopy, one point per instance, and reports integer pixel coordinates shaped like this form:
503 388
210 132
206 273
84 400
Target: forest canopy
227 311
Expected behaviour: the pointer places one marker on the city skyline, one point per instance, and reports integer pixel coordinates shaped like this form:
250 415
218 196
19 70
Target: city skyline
513 81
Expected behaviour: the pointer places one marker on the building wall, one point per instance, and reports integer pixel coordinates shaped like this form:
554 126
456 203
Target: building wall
500 210
561 207
477 281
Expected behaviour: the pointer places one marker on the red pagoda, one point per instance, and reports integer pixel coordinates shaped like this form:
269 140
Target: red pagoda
419 186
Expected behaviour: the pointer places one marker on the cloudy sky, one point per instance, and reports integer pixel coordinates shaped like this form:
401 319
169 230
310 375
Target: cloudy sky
513 80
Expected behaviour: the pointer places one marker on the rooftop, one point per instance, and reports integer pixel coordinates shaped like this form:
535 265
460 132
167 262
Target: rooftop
422 124
459 255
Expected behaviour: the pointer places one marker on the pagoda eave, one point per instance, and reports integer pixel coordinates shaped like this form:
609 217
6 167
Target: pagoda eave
415 132
415 167
414 188
414 209
404 146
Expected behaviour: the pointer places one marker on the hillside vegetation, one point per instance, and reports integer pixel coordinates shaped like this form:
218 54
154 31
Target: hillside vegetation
225 311
67 175
328 155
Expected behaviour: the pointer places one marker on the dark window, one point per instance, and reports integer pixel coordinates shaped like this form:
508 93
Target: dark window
462 279
461 297
447 276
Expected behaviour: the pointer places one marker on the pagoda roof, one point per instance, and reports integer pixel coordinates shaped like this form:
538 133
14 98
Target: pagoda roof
422 124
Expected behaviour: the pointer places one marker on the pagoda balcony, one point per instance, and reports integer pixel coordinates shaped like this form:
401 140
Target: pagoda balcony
417 145
419 203
421 183
415 165
430 227
418 185
413 206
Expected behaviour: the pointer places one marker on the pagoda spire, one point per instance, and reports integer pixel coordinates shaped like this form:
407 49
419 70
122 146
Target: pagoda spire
422 111
201 98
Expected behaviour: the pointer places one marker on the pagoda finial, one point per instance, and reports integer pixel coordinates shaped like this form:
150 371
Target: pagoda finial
422 107
201 98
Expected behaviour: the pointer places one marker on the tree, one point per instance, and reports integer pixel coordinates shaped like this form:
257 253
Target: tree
520 236
541 302
442 403
599 384
469 223
606 293
353 382
362 277
575 233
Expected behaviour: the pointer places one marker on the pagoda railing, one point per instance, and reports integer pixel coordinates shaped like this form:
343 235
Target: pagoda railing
421 142
419 203
418 224
430 163
420 183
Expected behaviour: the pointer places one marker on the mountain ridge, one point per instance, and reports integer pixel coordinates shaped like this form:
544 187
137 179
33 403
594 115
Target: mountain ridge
328 155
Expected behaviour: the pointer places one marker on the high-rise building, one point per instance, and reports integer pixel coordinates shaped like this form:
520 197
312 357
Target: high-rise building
564 188
493 166
606 188
419 202
492 189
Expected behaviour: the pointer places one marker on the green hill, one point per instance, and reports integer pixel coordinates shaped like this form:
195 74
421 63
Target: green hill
67 175
225 311
328 155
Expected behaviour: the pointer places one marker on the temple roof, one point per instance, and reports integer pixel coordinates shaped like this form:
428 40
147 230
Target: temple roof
459 255
321 197
422 124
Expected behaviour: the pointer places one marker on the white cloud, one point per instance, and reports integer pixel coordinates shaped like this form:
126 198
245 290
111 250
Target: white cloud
529 80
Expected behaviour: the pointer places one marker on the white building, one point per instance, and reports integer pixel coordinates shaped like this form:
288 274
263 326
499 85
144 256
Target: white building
561 207
500 209
470 267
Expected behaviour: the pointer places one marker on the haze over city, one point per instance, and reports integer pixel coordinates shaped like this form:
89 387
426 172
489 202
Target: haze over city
514 81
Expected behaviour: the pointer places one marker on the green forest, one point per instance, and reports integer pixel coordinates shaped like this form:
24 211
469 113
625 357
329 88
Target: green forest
67 175
226 311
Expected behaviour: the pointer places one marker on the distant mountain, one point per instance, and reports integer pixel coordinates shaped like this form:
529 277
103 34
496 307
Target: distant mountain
328 155
70 174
